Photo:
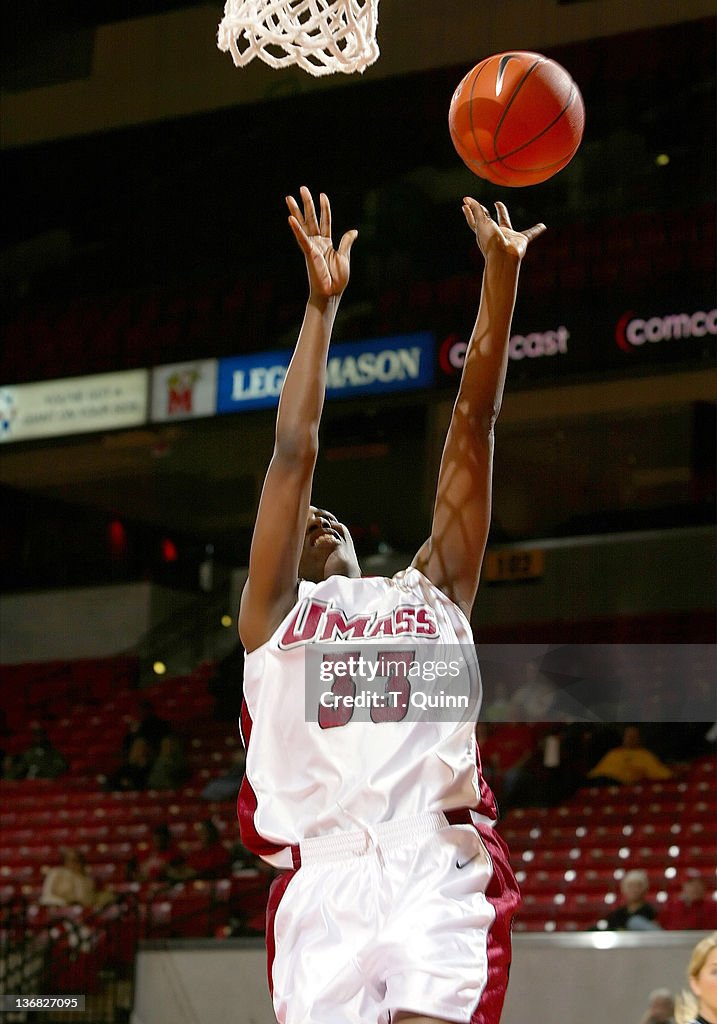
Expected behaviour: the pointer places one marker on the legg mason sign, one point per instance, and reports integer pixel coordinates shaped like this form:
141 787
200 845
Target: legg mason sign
379 366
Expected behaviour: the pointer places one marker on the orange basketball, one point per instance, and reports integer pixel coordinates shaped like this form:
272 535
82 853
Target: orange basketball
516 118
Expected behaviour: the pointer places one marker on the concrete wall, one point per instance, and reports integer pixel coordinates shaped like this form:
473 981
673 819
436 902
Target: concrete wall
588 978
618 574
87 622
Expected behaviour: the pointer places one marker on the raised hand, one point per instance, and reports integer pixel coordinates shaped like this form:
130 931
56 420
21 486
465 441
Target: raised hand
328 268
498 236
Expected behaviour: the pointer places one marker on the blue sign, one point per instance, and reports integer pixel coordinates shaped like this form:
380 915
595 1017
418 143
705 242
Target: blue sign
398 363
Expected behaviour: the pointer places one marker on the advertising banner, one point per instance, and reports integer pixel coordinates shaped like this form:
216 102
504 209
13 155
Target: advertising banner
547 348
74 405
378 366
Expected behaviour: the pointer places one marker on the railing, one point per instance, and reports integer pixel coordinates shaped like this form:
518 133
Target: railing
191 635
70 951
64 951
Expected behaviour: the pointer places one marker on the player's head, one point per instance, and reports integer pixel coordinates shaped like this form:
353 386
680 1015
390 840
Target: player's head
702 976
328 548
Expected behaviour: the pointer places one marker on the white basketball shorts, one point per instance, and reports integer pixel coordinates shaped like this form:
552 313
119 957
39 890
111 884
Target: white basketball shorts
409 915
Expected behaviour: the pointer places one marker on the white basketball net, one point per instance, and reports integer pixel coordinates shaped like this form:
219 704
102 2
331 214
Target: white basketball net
320 36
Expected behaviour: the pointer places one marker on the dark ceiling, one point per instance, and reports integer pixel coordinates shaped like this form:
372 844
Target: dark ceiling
35 17
44 44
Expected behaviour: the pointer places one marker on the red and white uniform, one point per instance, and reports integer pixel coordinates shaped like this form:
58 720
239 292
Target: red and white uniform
361 803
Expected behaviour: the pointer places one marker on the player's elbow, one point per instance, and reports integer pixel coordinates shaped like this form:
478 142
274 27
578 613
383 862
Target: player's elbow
479 417
296 449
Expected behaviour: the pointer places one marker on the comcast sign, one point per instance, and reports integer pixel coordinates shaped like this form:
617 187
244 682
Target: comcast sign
632 331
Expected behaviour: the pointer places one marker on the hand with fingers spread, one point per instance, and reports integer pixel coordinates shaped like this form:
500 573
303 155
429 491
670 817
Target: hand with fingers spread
498 236
328 268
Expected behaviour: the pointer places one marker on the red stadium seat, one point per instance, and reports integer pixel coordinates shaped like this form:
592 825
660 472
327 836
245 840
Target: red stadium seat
548 881
539 905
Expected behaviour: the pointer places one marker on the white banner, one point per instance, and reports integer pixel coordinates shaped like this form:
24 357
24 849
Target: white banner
74 405
183 390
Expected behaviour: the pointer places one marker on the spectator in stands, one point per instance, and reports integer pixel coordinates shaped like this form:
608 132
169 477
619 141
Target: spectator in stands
692 910
169 770
660 1007
164 857
227 786
149 727
629 763
133 774
71 884
636 914
212 860
41 760
699 1005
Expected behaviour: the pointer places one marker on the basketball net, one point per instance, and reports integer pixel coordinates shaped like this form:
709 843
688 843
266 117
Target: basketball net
320 36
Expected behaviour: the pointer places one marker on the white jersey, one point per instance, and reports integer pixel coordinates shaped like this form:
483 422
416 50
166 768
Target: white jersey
312 771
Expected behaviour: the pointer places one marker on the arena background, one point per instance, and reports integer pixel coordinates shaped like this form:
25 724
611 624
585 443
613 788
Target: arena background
145 227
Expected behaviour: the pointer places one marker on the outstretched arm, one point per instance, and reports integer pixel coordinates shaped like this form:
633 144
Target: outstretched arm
452 556
281 521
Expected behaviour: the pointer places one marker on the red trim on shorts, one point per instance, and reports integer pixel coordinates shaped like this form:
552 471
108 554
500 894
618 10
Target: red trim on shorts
277 890
504 895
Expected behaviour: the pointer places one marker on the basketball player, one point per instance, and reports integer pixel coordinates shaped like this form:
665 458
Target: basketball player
397 898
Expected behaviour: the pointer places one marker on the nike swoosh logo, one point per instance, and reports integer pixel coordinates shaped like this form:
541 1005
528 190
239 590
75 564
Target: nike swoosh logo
503 64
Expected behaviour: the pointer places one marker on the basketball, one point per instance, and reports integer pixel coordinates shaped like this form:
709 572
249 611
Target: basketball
516 119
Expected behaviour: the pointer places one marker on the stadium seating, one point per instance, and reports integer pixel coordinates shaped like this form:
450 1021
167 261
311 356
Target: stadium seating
569 859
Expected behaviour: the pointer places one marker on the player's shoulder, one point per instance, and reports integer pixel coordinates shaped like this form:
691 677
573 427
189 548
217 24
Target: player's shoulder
414 581
411 578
